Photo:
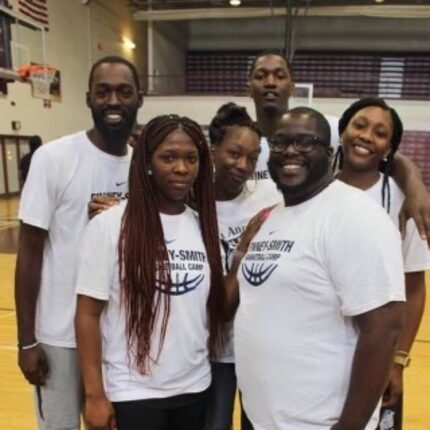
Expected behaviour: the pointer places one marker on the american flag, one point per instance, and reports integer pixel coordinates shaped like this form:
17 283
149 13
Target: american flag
35 9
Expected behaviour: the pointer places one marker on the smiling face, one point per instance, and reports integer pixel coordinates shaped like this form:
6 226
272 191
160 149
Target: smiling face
300 176
366 140
270 84
174 168
114 100
235 159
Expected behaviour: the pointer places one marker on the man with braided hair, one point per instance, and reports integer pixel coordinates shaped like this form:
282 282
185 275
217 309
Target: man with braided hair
64 175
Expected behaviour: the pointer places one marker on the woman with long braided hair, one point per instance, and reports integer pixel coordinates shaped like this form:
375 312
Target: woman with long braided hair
150 294
370 133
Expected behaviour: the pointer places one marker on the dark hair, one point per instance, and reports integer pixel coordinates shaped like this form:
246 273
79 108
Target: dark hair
112 59
228 115
142 249
34 142
323 126
386 166
271 52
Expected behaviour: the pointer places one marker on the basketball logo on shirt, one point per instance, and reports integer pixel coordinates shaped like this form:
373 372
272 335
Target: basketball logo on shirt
260 261
257 274
181 285
186 270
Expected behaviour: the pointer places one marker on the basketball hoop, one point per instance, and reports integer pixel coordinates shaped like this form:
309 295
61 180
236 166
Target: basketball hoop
41 78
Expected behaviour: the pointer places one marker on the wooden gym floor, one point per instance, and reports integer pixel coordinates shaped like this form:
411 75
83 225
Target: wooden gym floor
16 408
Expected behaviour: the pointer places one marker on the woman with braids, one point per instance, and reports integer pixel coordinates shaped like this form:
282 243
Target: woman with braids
235 144
150 296
370 133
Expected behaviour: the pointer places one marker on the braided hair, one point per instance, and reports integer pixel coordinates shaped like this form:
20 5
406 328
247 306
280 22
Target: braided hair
143 256
386 166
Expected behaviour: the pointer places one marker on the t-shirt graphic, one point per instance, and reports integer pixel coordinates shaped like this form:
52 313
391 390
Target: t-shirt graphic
186 267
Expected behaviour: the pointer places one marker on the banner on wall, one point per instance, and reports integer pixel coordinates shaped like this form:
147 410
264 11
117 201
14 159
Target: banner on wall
36 10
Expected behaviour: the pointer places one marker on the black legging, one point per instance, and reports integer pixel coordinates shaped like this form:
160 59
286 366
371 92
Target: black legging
137 415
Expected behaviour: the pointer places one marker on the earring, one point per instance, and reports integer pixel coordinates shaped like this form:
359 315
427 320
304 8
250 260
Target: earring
149 172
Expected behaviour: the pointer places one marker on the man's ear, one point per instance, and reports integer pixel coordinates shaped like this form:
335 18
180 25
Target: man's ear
87 99
140 98
330 151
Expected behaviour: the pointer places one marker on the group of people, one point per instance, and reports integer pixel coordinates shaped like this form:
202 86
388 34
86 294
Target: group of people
247 261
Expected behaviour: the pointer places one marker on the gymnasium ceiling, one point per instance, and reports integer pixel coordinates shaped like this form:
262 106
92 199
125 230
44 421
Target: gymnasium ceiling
174 10
141 5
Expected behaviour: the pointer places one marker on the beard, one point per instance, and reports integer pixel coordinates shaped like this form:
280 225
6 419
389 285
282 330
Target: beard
112 133
315 176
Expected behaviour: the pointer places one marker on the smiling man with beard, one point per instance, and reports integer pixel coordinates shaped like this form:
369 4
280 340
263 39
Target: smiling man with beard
63 177
321 292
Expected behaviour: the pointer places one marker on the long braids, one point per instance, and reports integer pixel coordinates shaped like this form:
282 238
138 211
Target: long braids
386 166
143 256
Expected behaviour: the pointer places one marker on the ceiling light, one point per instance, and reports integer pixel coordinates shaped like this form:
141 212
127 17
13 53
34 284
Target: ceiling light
128 43
235 3
379 1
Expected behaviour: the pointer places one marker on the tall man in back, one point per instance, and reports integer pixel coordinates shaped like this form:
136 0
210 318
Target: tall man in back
271 85
64 175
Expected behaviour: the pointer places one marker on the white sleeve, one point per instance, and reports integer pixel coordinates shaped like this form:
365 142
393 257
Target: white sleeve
97 260
365 259
40 194
416 253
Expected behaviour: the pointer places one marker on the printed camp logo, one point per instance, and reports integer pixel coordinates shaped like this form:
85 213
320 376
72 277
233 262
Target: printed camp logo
182 284
257 274
186 267
261 261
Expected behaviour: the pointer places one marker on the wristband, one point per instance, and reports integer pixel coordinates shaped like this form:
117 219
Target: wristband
402 358
30 346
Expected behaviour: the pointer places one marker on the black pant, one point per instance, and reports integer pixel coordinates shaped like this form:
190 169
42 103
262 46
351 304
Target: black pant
147 415
221 398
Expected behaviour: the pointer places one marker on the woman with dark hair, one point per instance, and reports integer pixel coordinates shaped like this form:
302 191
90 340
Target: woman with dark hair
150 296
235 145
370 133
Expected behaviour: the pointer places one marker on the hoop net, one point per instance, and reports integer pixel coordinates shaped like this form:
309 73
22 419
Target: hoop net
41 78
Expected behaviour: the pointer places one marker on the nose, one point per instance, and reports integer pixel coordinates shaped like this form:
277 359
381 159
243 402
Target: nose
270 80
290 149
242 164
180 167
113 98
366 134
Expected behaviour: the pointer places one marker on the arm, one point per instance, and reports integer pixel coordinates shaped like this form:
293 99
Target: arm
415 300
231 283
379 332
417 201
99 412
32 361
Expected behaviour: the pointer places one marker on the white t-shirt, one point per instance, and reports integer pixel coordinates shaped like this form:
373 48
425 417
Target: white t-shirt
233 217
416 255
309 270
64 175
183 365
261 172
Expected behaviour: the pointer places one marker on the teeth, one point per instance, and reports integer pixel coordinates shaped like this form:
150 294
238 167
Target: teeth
361 150
291 166
114 117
